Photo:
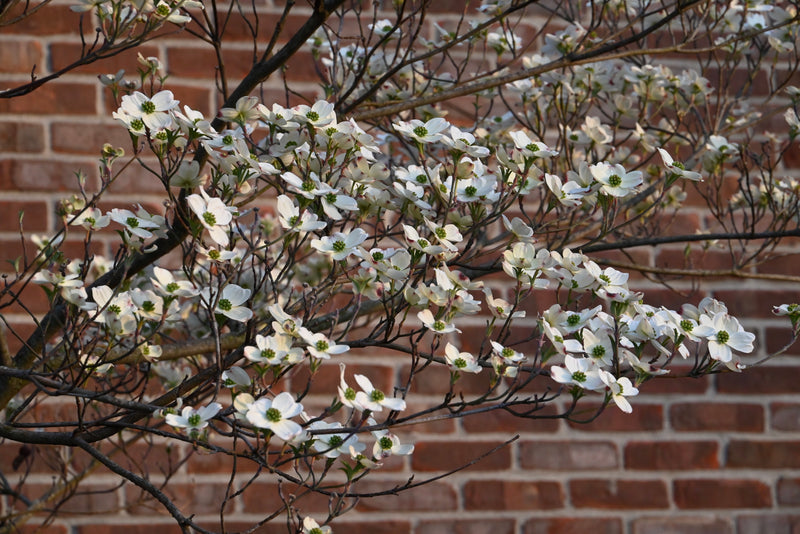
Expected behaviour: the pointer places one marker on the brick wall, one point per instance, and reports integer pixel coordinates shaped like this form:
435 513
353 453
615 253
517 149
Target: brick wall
714 455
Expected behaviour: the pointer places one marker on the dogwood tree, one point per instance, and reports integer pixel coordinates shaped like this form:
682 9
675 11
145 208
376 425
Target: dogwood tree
445 175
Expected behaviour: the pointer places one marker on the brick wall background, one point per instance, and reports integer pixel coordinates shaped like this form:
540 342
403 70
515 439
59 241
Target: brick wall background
714 455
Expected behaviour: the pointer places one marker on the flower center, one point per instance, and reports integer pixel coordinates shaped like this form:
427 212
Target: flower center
267 354
322 345
573 319
598 351
137 124
225 305
350 394
421 179
335 441
470 190
377 395
312 116
420 131
460 363
385 443
687 325
274 415
339 246
194 419
133 222
438 325
148 107
614 180
441 233
723 337
579 376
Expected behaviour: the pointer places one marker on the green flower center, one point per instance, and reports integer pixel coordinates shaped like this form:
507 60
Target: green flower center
312 116
322 345
573 319
225 305
470 190
507 353
350 394
441 233
335 441
227 140
687 325
723 337
274 415
605 278
116 310
579 376
614 180
148 306
420 131
162 10
339 246
423 243
330 131
213 254
331 198
533 147
172 286
598 351
209 218
385 443
377 256
308 185
148 107
460 363
293 220
137 124
439 326
194 419
133 222
267 354
377 395
421 179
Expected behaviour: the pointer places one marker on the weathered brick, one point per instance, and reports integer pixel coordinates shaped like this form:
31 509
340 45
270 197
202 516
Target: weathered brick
681 525
788 491
785 416
568 455
466 526
760 381
573 525
54 98
21 137
436 496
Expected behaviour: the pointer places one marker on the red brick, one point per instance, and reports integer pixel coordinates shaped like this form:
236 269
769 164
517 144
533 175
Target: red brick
41 529
74 138
64 53
466 526
435 380
675 455
718 417
436 496
681 525
785 416
618 494
734 494
760 381
21 56
21 137
388 526
34 216
568 455
498 495
763 454
52 20
506 422
54 98
446 456
645 417
571 525
265 498
777 338
193 62
44 175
